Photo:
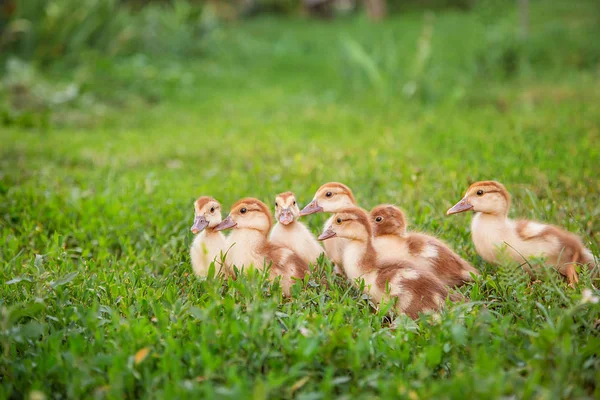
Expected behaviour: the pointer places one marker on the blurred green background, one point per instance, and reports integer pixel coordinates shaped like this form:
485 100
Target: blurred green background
69 61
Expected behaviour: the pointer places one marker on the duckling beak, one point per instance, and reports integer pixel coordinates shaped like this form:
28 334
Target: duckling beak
227 223
286 217
311 208
461 206
199 224
327 234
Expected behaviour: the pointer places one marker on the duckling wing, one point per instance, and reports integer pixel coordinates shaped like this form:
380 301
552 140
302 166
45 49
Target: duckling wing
561 245
529 230
417 290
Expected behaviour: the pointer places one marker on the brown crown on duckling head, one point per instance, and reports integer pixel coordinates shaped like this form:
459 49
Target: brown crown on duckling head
330 197
207 212
350 223
489 197
387 219
201 202
248 213
286 209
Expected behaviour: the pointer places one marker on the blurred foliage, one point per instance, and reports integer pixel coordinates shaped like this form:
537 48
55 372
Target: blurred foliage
271 6
91 50
114 54
411 5
66 31
436 59
563 36
28 99
96 88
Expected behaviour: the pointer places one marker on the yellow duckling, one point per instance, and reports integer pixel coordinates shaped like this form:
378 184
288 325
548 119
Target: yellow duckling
392 242
208 244
417 290
290 232
494 233
249 245
331 197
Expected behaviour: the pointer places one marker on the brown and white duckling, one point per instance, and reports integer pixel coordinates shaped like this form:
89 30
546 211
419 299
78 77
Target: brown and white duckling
208 243
392 242
417 290
249 245
331 197
290 232
494 233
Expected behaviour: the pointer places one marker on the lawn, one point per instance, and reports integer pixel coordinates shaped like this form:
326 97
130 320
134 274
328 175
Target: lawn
98 298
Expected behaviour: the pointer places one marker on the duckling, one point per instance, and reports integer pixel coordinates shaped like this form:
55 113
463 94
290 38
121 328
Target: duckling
208 243
493 232
290 232
249 244
417 290
392 242
331 198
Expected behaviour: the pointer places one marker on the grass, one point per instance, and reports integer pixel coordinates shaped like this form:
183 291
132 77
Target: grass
98 299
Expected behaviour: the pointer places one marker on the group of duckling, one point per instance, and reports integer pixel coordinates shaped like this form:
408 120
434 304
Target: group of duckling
375 246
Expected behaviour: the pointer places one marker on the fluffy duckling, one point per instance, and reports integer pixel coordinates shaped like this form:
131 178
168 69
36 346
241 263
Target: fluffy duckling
493 232
417 290
331 197
249 244
208 243
392 242
291 233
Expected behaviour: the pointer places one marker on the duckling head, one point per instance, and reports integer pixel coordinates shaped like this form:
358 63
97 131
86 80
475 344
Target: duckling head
207 214
286 209
387 219
248 213
331 197
488 197
351 223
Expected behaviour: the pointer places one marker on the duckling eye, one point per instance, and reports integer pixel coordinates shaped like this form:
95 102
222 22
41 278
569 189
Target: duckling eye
243 210
339 221
276 205
328 194
480 192
378 219
294 202
212 209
